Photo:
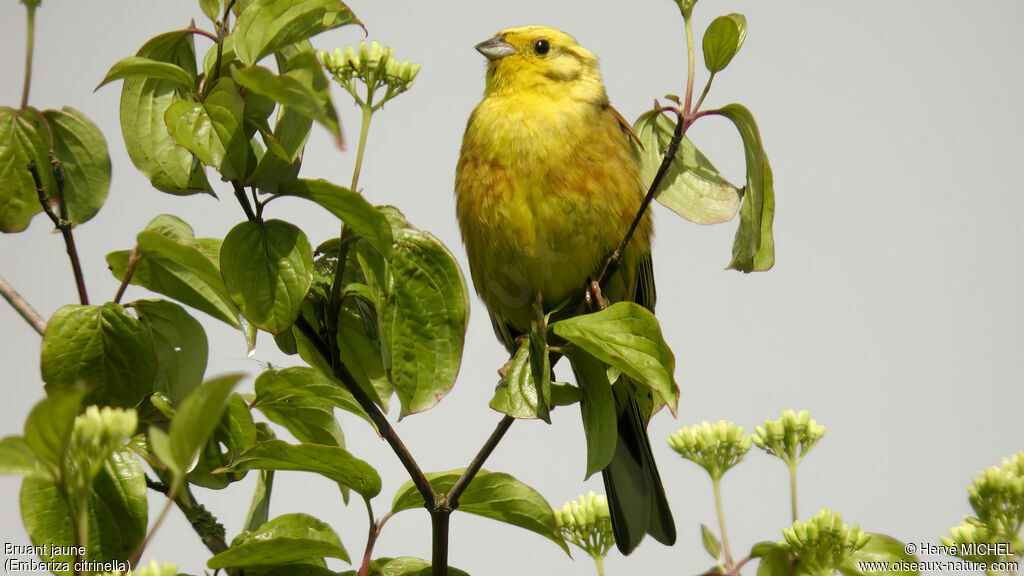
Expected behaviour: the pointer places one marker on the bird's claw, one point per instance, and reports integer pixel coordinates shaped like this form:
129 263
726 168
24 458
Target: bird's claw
594 297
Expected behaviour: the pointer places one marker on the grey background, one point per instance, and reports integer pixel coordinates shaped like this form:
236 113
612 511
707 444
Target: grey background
893 313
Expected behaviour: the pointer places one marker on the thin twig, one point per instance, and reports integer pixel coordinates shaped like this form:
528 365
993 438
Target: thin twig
244 201
134 560
29 46
470 472
22 307
61 221
133 259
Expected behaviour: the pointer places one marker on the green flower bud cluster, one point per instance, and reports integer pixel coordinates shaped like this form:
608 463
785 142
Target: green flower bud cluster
824 542
153 569
715 447
790 437
587 523
373 65
96 434
997 498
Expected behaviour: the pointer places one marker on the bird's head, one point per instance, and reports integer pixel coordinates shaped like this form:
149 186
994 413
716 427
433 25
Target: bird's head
540 58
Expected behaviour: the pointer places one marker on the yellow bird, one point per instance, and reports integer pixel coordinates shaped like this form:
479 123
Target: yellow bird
546 187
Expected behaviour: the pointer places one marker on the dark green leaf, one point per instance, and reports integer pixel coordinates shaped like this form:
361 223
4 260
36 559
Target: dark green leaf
82 150
564 394
722 41
16 457
328 461
234 435
627 336
597 406
423 317
365 221
409 566
285 539
492 495
102 347
180 345
754 247
49 425
880 549
267 269
692 187
138 66
144 101
266 26
710 541
282 385
288 92
212 129
361 354
21 140
197 419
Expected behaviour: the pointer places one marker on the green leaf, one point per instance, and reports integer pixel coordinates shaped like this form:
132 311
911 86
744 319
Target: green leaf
423 318
184 269
117 513
234 435
211 8
365 221
21 140
302 382
409 566
16 457
692 187
266 26
138 66
516 394
328 461
102 347
722 40
179 342
144 102
754 246
627 336
288 92
880 549
267 269
710 541
82 150
308 419
597 406
361 354
197 419
492 495
259 510
212 129
287 538
540 362
49 425
775 560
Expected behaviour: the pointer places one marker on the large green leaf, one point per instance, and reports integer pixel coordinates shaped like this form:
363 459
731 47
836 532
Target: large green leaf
196 420
16 457
102 347
21 140
174 263
365 221
754 246
280 385
82 150
117 513
692 187
722 40
627 336
291 93
212 129
597 405
880 550
144 102
308 419
328 461
233 436
266 26
267 269
362 355
49 425
493 495
179 342
285 539
139 66
423 317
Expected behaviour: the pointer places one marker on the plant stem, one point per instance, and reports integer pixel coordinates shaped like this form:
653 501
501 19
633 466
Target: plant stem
703 94
439 521
371 539
363 131
22 307
599 562
81 530
467 475
30 41
716 482
60 221
688 25
792 489
134 560
244 201
133 259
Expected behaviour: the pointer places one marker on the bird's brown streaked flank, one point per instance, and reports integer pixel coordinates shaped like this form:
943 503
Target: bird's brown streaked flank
546 187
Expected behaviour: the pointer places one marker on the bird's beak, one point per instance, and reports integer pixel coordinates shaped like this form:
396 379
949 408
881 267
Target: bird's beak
495 48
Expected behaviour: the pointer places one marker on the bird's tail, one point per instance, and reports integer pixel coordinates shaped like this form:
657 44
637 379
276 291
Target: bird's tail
636 498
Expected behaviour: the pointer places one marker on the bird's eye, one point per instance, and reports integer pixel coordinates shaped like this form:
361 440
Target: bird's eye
541 47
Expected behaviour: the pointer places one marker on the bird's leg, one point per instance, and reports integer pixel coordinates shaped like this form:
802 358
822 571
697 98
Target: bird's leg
593 295
503 371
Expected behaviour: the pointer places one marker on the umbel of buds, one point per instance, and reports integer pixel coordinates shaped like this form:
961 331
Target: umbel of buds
790 437
587 523
153 569
824 542
715 447
997 498
96 434
373 65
